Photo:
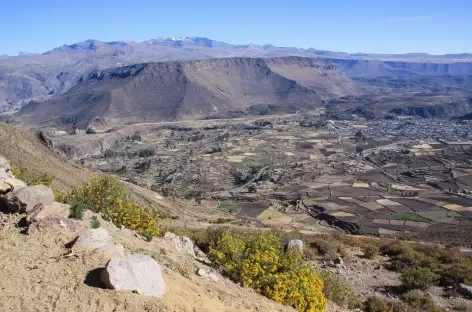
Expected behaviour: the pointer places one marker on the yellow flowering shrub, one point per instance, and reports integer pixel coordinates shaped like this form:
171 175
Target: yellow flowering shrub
30 179
61 197
259 263
133 216
107 195
300 288
227 254
100 193
260 260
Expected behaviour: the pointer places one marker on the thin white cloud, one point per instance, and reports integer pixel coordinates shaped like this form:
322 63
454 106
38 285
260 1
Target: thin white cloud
418 18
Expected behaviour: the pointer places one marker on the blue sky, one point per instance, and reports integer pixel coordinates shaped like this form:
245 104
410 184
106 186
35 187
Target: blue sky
380 26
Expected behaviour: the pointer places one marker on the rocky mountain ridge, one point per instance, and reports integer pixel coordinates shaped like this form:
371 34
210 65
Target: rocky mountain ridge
27 77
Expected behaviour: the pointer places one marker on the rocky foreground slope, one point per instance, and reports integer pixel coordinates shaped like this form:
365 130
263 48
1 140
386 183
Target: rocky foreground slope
192 89
63 264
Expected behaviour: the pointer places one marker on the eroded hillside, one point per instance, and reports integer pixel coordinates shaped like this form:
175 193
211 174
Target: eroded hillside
193 89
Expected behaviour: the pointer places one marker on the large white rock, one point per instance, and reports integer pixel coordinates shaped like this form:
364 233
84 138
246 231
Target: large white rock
137 273
294 243
25 199
182 244
93 238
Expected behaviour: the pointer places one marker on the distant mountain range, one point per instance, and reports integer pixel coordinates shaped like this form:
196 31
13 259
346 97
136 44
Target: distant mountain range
195 42
31 76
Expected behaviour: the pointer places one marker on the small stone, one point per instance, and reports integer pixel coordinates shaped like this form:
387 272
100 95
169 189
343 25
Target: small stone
136 273
213 277
294 243
202 272
338 261
181 243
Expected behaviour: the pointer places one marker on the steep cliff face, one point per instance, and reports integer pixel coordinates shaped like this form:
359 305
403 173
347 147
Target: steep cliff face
434 111
321 75
175 90
378 68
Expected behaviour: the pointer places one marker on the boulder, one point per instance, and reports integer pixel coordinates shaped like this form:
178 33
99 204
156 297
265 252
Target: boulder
47 225
93 238
294 243
182 244
113 250
10 184
136 273
15 183
42 212
466 290
50 217
201 256
4 174
5 187
339 263
25 199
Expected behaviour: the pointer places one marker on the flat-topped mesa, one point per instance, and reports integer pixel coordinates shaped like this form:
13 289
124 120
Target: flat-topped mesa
166 91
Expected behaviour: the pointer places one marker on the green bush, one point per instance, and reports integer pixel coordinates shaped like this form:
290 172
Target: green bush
418 302
371 251
142 166
109 153
447 262
146 152
413 301
324 246
76 210
259 262
95 223
338 291
62 197
418 278
377 304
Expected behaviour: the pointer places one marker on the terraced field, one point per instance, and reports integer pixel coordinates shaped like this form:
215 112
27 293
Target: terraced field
284 172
